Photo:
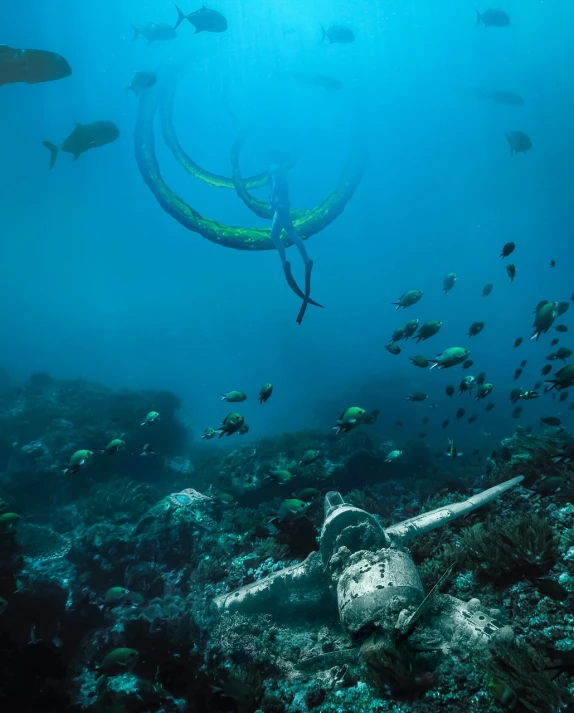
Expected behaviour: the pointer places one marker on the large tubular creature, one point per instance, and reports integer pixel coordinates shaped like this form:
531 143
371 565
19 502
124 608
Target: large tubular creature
307 222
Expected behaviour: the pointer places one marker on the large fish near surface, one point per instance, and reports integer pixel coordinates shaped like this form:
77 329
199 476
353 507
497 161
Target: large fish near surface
519 142
31 66
204 20
83 138
155 32
337 34
501 97
316 80
493 18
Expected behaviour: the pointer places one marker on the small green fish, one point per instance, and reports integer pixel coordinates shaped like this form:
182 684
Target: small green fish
428 330
398 334
152 417
147 451
410 328
209 433
484 390
528 395
234 397
349 419
420 361
450 357
115 596
310 457
120 595
487 289
393 455
409 299
511 271
279 476
244 429
370 417
475 328
118 661
113 446
291 509
417 396
9 521
232 423
307 494
393 348
78 460
544 319
452 451
265 393
507 249
448 282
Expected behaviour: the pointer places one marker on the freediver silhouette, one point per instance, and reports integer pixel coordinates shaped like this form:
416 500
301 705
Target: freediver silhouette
280 210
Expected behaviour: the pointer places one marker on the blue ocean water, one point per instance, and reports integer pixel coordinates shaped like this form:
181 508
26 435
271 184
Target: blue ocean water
99 283
286 569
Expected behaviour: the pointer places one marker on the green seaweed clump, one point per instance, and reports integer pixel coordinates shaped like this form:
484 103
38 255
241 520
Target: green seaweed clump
121 500
506 549
521 668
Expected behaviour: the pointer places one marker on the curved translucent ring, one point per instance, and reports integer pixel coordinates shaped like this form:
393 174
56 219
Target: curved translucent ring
315 220
183 158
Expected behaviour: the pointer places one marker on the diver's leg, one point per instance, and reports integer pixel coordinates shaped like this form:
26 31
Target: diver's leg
276 227
296 240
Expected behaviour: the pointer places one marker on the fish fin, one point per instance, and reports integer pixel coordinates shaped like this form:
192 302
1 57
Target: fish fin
323 34
435 363
102 450
54 150
478 18
137 32
66 471
223 397
77 156
180 17
197 31
510 144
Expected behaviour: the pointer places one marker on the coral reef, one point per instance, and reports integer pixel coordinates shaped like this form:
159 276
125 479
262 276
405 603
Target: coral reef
179 529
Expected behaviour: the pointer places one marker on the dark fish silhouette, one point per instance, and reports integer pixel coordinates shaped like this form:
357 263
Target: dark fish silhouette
31 66
141 82
83 138
337 33
492 18
501 97
154 32
204 20
316 80
519 142
551 421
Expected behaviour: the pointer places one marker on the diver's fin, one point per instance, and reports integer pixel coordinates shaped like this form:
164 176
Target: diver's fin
180 17
54 150
323 34
308 270
478 18
510 144
294 286
137 32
